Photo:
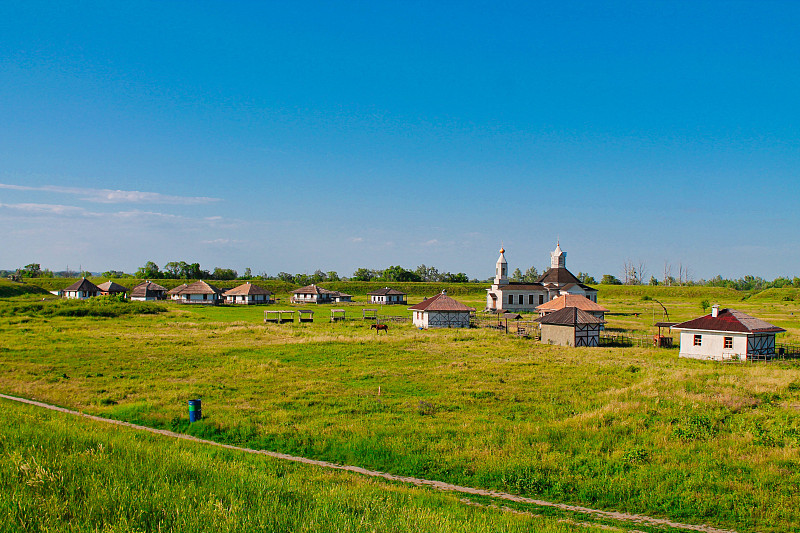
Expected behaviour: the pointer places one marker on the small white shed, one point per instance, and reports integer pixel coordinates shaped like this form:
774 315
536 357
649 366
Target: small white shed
727 334
441 311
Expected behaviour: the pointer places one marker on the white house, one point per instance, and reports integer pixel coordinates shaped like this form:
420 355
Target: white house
441 311
526 297
248 294
148 291
81 290
311 294
727 334
387 296
175 292
200 292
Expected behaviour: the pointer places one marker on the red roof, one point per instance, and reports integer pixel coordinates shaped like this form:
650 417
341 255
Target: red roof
730 320
440 302
569 316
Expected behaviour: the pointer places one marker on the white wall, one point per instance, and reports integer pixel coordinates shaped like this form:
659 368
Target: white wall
712 345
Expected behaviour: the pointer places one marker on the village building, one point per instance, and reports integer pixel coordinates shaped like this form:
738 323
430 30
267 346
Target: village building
110 288
248 294
175 292
526 297
570 326
200 293
81 290
727 334
573 300
441 311
148 291
311 294
387 296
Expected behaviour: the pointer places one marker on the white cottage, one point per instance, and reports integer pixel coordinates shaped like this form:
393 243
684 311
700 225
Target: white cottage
81 290
441 311
148 291
526 297
248 294
200 292
727 334
387 296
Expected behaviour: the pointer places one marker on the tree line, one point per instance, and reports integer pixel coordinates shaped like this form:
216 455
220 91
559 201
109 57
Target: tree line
633 273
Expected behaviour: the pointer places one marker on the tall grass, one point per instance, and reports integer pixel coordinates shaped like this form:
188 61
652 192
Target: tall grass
63 474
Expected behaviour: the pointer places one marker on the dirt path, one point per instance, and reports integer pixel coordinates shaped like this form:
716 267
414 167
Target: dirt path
438 485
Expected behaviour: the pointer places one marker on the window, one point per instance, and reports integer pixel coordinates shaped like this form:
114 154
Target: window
530 299
511 298
698 340
519 300
728 343
205 297
541 299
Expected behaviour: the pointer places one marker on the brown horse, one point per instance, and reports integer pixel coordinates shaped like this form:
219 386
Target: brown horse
380 327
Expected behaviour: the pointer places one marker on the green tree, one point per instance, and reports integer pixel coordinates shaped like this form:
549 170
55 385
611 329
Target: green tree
285 276
610 279
398 273
224 273
531 275
364 274
333 275
653 280
148 271
586 279
33 270
516 276
455 278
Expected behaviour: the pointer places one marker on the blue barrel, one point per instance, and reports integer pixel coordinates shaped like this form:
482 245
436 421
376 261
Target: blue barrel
195 410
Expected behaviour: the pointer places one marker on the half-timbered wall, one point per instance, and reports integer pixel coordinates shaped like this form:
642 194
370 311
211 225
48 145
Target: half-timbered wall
441 319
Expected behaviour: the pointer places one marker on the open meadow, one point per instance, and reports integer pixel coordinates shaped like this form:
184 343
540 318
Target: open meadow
629 429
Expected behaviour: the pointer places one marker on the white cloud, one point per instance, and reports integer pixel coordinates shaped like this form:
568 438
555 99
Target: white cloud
432 242
49 210
356 239
109 196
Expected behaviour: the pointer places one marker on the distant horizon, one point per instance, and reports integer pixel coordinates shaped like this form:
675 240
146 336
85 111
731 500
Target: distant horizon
291 137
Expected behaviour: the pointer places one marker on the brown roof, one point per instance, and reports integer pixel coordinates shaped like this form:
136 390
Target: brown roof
572 300
385 292
247 289
311 289
200 287
440 302
730 320
569 316
148 288
83 285
110 286
177 290
581 285
558 275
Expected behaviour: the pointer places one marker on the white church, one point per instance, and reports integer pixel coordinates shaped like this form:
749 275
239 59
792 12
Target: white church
525 297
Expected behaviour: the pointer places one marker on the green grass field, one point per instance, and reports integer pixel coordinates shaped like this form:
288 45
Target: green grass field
58 473
631 429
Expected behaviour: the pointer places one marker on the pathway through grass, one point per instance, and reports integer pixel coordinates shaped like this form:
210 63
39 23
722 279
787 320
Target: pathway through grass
438 485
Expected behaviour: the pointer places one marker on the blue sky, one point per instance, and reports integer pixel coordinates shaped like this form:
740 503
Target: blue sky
295 136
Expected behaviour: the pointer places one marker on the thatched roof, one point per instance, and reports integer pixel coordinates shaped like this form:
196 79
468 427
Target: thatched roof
247 289
569 316
440 302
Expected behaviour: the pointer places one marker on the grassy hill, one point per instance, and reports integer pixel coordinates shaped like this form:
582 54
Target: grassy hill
10 289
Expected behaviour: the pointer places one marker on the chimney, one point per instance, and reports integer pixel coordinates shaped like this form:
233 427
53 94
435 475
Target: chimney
714 311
